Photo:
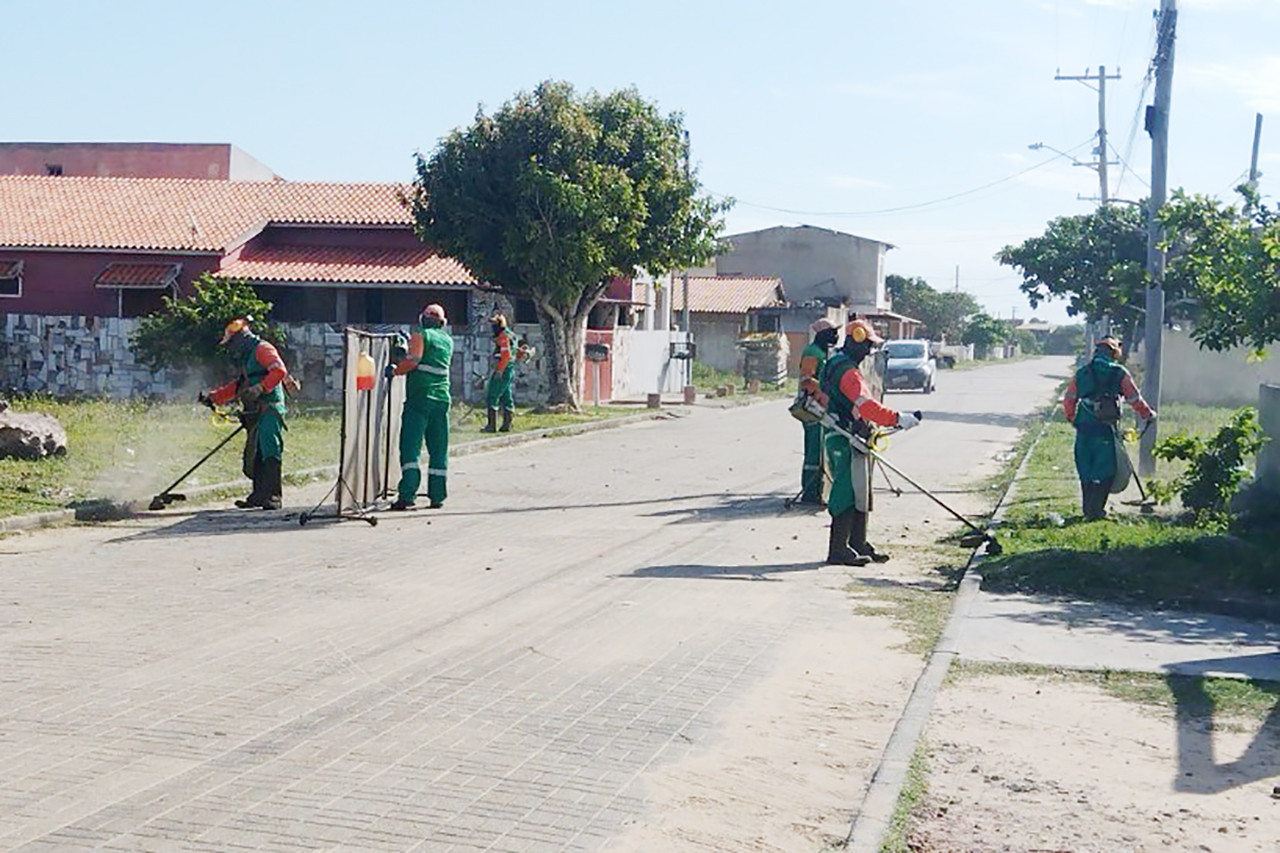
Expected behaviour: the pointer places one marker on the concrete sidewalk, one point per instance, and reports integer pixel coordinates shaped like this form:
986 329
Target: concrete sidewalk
1087 635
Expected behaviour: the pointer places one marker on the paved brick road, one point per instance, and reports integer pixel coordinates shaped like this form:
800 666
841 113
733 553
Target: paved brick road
504 674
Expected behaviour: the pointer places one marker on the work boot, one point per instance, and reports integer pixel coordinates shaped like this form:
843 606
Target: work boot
255 499
1095 499
401 505
272 484
492 426
838 551
858 539
506 420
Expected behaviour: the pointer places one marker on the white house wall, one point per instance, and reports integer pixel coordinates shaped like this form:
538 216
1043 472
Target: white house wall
1193 375
642 363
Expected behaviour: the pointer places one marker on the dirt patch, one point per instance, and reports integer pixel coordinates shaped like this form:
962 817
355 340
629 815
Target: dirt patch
794 755
1024 763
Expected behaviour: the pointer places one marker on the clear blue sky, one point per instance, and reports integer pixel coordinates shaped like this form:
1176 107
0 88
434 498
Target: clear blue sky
829 110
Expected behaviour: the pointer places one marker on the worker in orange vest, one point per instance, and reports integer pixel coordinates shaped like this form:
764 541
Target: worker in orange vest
1092 406
856 411
260 390
501 377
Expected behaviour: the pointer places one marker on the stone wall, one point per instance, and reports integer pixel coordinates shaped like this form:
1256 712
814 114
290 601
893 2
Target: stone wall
73 355
78 355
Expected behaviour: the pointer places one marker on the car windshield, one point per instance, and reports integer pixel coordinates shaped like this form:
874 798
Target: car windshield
905 349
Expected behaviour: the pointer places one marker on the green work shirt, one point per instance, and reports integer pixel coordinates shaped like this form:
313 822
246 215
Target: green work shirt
815 351
430 379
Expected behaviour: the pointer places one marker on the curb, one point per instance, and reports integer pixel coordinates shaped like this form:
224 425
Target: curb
872 819
53 518
111 512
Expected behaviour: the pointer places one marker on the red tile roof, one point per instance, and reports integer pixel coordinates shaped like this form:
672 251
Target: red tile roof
178 214
138 275
345 264
730 294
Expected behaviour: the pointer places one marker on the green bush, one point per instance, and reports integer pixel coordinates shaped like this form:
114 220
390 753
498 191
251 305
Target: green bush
184 333
1216 466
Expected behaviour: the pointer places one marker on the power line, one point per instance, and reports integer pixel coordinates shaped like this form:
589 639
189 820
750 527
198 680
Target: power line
904 207
1124 162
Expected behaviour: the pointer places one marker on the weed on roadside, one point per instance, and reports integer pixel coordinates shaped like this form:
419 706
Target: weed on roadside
911 800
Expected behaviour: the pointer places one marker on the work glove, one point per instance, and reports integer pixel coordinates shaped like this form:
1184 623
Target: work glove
908 420
250 394
389 371
204 399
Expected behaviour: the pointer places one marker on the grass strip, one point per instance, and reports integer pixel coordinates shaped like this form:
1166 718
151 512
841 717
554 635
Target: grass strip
1219 699
1129 558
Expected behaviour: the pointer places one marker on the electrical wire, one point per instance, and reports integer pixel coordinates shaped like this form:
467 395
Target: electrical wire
1140 111
906 207
1125 163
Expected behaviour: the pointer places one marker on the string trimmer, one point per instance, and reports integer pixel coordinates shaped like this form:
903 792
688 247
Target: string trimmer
168 496
1146 506
976 537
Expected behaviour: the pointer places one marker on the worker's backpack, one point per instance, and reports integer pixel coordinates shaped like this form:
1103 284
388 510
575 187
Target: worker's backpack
1103 402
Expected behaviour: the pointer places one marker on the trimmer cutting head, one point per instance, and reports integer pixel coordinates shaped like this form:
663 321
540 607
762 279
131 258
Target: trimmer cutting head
162 500
977 538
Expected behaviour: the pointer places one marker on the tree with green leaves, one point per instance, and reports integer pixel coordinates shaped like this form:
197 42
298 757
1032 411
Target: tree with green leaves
986 331
943 313
1231 256
1097 262
184 333
1065 340
555 194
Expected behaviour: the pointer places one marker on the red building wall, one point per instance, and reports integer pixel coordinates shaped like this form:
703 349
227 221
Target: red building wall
57 282
105 159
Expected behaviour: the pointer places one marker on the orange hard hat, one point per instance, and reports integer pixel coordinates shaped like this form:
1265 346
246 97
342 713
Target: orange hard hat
1111 344
860 330
499 318
234 328
434 310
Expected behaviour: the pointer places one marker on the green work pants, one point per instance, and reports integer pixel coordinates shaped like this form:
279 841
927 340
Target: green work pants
1095 452
850 476
424 420
811 472
498 394
264 438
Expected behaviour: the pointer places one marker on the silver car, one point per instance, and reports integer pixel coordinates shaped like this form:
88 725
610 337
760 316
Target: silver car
909 366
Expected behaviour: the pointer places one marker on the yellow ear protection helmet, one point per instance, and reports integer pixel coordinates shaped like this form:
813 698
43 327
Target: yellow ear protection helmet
234 328
860 331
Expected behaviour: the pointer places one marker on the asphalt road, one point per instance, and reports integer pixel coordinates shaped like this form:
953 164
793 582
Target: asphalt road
558 660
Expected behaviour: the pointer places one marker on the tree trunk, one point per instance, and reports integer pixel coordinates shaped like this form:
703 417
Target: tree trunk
564 336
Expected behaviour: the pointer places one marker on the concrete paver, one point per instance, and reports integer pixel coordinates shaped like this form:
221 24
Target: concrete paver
504 674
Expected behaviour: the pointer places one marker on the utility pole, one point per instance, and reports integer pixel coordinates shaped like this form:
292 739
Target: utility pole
1253 162
1101 165
957 278
1158 126
684 315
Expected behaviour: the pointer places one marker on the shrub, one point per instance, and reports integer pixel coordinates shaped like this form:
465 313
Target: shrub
1216 466
184 333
